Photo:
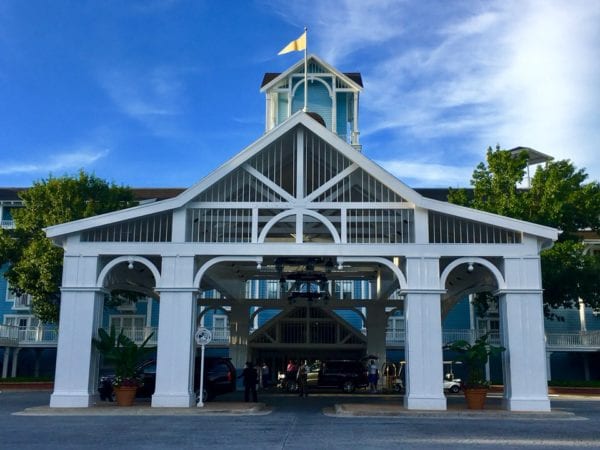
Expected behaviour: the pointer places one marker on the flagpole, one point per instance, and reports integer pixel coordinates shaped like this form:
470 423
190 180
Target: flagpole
305 109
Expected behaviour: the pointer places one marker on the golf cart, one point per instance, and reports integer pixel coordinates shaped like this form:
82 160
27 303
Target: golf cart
451 383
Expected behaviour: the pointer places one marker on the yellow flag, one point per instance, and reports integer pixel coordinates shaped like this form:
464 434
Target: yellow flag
294 46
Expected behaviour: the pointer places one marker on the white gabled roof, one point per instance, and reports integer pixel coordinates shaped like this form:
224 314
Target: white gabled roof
300 63
301 118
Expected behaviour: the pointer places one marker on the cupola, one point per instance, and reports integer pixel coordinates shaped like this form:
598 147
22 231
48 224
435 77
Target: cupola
332 97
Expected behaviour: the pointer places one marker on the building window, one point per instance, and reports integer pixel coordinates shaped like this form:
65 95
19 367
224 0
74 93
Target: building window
127 322
21 321
395 328
344 289
19 301
488 325
273 288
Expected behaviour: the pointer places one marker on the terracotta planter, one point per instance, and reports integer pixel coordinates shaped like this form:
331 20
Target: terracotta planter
125 395
475 397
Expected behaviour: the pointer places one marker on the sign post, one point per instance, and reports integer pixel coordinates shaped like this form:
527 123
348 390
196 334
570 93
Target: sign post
203 336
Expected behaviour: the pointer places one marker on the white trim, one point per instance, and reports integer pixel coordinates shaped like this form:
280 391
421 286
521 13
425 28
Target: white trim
139 259
299 212
219 259
484 262
326 66
386 262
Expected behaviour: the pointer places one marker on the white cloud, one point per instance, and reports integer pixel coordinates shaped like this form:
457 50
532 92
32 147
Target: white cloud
426 174
73 160
149 97
518 72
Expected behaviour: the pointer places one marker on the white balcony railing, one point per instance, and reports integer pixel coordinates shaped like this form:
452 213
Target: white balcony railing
584 339
219 335
562 341
42 335
9 335
397 337
7 224
48 335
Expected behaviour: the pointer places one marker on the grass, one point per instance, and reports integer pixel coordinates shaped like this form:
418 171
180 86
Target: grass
574 383
25 379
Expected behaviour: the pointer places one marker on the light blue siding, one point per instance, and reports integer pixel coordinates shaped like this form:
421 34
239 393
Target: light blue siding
282 108
458 317
342 114
318 101
351 317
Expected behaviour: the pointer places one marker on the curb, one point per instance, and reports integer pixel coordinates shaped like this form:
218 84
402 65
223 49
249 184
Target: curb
358 410
214 409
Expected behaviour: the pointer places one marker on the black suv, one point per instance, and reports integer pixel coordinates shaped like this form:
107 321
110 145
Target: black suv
219 378
343 374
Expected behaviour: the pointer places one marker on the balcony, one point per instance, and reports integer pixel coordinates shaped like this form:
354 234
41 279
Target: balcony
47 336
558 342
137 335
40 336
583 341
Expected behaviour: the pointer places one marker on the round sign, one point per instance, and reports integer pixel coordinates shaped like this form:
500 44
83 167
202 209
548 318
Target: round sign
203 336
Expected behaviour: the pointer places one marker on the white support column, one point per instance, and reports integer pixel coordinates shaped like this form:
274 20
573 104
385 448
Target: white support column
239 321
300 163
15 361
522 322
549 365
176 326
423 322
376 326
5 361
76 375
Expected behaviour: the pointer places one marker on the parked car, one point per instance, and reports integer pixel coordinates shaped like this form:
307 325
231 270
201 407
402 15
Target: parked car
342 374
219 378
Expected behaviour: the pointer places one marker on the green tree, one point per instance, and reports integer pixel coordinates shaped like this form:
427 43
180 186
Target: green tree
34 263
559 197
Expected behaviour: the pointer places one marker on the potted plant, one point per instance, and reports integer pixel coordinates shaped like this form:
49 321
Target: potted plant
475 356
124 355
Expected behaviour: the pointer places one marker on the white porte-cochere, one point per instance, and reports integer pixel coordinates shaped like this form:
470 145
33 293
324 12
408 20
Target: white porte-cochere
303 210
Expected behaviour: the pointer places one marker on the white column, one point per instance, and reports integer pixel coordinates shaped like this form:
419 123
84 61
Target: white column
5 362
423 345
176 326
522 322
76 376
376 325
239 322
15 361
549 365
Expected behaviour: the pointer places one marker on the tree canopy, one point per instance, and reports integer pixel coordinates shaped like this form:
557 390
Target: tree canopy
34 263
559 196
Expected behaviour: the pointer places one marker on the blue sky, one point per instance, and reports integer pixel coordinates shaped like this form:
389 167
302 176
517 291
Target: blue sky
158 93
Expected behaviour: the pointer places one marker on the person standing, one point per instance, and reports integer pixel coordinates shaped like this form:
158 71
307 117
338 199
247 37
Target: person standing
302 379
265 374
373 376
250 379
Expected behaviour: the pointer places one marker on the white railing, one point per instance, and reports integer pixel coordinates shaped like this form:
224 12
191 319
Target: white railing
46 334
8 224
584 339
38 335
220 335
9 334
397 337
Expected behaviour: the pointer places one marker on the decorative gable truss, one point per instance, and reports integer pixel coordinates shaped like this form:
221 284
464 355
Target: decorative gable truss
301 183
